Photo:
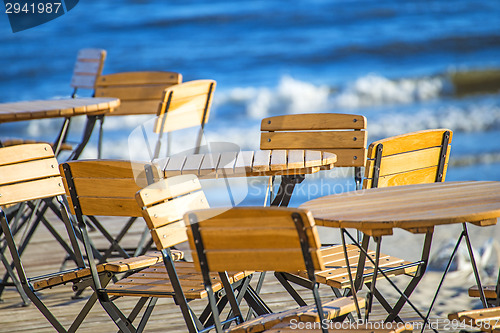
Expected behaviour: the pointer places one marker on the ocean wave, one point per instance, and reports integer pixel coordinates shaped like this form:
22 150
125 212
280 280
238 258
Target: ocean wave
294 96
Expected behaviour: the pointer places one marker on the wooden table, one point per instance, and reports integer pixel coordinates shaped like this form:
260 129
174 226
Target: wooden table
292 165
415 208
66 108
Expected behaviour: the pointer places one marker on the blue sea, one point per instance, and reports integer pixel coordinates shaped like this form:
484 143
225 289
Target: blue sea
405 65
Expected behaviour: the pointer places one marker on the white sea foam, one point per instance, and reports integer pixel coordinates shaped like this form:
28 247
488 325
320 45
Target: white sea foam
290 96
295 96
377 90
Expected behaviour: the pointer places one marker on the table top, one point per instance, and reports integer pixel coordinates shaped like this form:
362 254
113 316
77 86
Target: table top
69 107
249 163
416 208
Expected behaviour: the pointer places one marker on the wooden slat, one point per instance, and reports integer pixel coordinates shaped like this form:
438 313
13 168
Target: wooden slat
404 162
83 81
38 189
87 67
193 164
331 309
170 235
174 166
416 140
25 153
191 88
312 157
29 171
180 119
156 284
209 164
313 140
139 78
489 291
137 107
488 317
90 54
296 159
111 207
359 328
278 160
173 210
131 93
421 176
106 188
261 161
227 163
313 121
110 169
244 162
167 188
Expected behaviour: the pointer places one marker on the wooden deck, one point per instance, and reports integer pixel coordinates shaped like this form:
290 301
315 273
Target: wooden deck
44 255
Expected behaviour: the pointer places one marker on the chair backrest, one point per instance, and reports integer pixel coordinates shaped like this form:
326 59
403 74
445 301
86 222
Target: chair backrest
342 134
139 92
185 105
412 158
106 187
254 238
88 68
28 172
163 205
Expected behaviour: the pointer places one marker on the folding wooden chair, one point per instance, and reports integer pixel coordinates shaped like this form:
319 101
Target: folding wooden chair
139 93
107 188
413 158
342 134
162 205
88 67
184 105
30 172
265 239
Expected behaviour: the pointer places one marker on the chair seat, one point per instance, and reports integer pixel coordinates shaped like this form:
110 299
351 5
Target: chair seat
118 266
488 320
345 328
489 291
155 282
333 309
336 274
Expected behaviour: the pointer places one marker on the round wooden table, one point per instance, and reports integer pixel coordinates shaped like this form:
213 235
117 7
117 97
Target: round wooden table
92 107
68 107
415 208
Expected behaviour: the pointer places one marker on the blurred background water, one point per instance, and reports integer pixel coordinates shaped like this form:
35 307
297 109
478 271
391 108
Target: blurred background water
405 65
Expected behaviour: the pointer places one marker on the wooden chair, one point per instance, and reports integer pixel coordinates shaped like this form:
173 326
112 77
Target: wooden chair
184 105
265 239
88 67
162 205
342 134
413 158
107 188
487 320
30 172
139 92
